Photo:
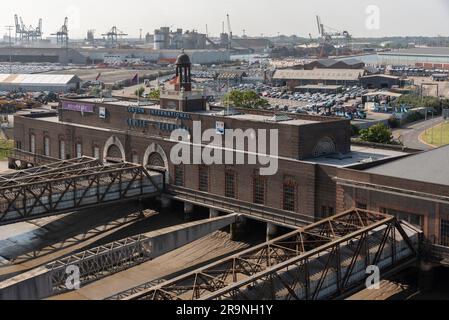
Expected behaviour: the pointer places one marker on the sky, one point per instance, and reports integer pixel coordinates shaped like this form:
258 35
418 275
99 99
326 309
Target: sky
370 18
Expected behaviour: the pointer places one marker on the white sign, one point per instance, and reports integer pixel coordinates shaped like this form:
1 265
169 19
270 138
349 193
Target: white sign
220 127
102 112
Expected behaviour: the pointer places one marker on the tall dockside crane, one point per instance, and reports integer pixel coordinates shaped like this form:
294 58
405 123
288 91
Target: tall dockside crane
230 32
331 37
113 36
62 36
27 34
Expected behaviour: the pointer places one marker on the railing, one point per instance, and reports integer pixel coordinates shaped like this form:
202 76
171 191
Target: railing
35 159
435 253
241 207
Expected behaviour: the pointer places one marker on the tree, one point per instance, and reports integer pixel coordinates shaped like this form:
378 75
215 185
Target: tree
139 92
155 94
95 91
423 102
244 99
378 133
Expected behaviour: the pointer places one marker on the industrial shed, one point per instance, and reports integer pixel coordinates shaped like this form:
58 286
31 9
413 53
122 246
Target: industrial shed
380 81
295 78
39 82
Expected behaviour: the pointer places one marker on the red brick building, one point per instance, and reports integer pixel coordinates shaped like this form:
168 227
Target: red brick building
319 172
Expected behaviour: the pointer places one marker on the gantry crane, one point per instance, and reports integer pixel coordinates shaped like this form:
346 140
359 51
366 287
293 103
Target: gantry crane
62 36
113 35
27 34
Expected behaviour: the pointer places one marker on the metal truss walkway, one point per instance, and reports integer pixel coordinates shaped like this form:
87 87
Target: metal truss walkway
322 261
71 185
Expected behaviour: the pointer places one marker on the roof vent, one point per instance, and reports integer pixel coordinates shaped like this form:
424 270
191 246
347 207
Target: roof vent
229 112
280 118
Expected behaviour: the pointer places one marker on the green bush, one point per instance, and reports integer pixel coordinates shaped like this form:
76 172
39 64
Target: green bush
393 123
378 133
244 99
355 130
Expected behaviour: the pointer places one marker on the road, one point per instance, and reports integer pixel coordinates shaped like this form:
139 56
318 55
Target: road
409 135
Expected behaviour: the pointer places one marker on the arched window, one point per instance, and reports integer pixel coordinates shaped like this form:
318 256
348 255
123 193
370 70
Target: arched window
114 154
155 160
325 147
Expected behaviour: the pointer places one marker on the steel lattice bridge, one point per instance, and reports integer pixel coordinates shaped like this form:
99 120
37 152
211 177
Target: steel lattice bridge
66 186
322 261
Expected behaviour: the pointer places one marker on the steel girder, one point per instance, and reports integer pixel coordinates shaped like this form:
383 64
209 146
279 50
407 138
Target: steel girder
31 158
43 191
27 175
297 265
101 262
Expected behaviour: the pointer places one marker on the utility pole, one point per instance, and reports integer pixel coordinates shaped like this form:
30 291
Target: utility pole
9 28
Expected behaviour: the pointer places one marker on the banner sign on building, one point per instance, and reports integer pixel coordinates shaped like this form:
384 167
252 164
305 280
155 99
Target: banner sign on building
78 107
102 112
220 127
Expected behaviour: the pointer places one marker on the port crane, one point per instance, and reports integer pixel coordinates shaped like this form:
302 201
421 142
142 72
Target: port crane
331 37
113 36
27 34
230 32
62 36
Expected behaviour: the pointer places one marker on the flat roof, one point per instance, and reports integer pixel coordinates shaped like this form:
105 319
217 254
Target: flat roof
358 155
37 79
319 74
319 86
383 93
431 167
425 51
381 76
295 120
262 118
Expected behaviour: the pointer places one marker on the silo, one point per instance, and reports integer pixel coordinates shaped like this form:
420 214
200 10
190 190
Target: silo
159 40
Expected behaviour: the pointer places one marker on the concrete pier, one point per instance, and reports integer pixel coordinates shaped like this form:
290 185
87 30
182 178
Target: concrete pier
238 228
214 213
188 211
272 231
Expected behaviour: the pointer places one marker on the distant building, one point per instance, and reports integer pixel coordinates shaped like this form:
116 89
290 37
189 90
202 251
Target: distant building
42 55
379 81
295 78
429 57
334 64
39 82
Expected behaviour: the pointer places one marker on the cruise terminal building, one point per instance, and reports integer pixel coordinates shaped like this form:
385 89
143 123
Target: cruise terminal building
319 172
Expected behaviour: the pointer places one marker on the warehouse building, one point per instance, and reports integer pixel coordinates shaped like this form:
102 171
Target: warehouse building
42 55
334 64
379 81
428 57
39 82
297 78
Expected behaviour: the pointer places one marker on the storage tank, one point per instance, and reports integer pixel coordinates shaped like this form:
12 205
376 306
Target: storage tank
159 40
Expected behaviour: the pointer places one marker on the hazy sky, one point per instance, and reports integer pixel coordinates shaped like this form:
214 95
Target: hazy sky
396 17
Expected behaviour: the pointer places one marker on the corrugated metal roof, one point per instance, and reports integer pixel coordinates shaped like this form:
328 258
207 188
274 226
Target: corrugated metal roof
37 79
320 74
